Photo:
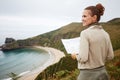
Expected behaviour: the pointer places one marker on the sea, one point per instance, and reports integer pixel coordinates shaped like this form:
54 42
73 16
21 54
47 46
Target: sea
20 61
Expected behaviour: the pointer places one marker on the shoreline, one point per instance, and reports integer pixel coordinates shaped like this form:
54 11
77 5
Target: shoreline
55 56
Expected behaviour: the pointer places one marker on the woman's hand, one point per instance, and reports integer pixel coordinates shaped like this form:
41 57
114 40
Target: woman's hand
73 56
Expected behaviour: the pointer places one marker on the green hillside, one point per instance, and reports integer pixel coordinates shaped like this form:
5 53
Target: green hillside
67 69
53 38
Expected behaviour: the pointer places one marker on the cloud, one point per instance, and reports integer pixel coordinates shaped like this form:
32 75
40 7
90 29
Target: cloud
51 12
41 21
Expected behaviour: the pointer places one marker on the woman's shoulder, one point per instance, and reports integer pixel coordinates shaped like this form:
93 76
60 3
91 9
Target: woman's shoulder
85 32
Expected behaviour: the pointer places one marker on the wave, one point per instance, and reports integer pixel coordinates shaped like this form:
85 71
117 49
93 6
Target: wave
20 75
7 79
23 73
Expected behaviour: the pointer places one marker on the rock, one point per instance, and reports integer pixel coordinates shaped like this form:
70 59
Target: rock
9 40
10 44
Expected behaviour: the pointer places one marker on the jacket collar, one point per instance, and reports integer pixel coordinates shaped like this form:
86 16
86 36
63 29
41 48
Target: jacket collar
95 25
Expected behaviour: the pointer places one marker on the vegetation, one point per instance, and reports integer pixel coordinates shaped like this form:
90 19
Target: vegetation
66 68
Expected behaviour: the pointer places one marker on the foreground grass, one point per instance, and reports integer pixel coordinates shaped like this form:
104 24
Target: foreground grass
66 69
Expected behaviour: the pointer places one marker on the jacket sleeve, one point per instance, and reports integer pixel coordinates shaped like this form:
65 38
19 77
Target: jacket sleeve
82 57
110 54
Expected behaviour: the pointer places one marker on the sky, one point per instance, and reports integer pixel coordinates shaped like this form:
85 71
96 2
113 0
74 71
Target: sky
47 15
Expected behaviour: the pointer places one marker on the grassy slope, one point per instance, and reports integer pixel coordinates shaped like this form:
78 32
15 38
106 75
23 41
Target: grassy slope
66 69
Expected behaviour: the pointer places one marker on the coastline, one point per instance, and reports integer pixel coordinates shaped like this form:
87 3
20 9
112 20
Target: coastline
55 56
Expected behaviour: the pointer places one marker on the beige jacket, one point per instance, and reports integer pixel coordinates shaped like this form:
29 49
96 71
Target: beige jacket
95 48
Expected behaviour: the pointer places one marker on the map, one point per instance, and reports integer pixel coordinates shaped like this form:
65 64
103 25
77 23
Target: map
72 45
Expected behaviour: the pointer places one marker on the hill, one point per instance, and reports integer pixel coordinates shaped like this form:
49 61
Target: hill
66 69
53 38
115 20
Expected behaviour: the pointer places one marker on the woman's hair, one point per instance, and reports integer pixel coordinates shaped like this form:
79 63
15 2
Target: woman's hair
97 10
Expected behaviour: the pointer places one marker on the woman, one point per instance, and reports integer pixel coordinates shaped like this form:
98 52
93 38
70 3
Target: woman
95 46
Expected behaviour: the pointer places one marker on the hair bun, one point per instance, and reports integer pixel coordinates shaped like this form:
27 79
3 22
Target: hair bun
100 8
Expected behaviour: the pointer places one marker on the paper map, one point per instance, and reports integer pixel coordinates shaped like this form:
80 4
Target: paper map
72 45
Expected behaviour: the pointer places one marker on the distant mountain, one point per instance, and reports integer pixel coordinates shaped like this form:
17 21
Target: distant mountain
53 38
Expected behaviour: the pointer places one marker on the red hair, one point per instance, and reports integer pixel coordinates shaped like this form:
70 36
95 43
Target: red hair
100 8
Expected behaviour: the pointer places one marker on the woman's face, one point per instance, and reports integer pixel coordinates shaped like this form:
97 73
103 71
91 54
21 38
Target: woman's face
87 19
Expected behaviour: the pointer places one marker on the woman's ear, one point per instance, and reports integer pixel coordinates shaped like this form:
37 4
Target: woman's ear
95 18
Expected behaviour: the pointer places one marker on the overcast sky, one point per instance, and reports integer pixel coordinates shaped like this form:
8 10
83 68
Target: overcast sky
51 14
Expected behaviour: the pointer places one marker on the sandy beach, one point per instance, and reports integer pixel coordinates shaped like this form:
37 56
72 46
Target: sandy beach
55 56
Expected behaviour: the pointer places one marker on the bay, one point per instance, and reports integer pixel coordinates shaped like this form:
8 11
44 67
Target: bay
21 60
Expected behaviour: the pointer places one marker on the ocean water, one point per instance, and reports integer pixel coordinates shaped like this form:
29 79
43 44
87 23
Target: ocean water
21 60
